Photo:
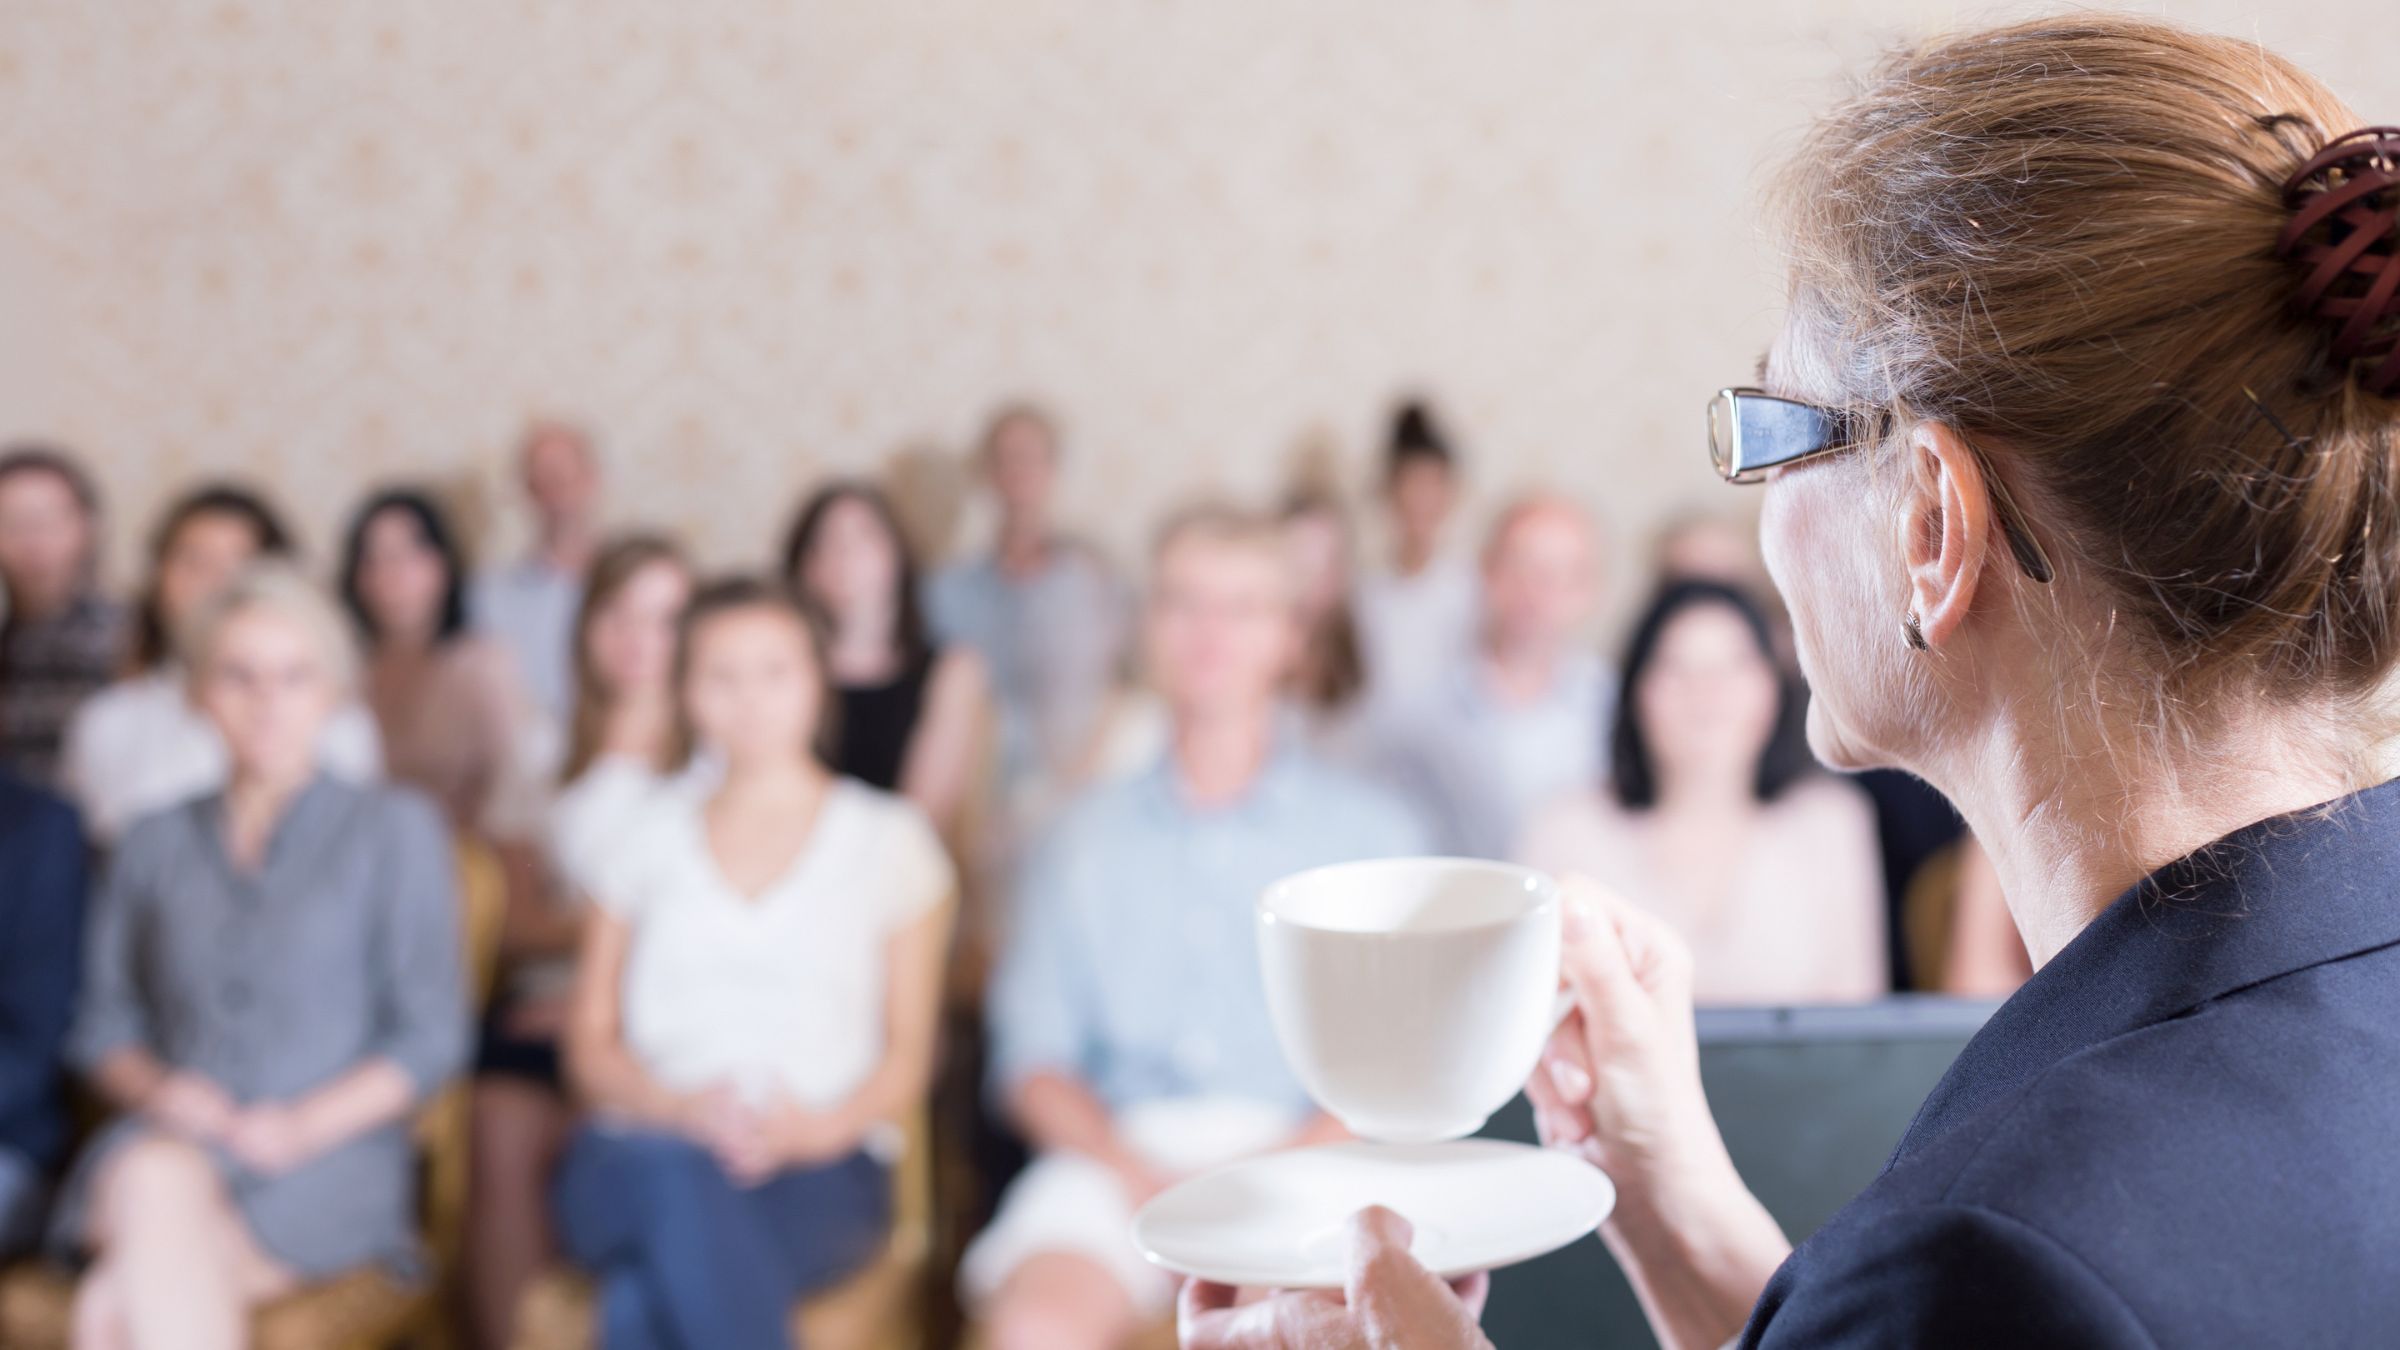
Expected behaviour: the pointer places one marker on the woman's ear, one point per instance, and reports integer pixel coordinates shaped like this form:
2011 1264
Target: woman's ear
1946 525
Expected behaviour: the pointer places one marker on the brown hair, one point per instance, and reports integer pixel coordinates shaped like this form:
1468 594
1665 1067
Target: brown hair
727 595
2059 238
1333 667
613 569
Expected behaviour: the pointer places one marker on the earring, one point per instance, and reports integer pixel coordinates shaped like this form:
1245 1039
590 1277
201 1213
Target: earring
1914 631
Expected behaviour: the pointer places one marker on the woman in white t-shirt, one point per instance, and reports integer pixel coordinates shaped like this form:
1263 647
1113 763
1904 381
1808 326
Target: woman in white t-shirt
620 735
755 1008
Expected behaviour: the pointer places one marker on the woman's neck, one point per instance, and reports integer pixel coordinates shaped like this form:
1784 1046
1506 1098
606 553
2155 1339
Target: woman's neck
640 724
2074 813
255 799
866 644
772 779
1694 792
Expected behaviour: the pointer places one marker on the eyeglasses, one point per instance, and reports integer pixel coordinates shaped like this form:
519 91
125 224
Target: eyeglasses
1751 431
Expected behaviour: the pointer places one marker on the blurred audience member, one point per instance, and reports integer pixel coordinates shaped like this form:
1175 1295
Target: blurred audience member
272 984
41 938
530 604
912 714
140 745
755 1009
1043 610
620 739
1130 1028
452 711
1518 719
1416 617
1714 819
1329 682
1985 955
60 638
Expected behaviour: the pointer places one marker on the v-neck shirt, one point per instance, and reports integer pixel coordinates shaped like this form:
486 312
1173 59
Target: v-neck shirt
778 993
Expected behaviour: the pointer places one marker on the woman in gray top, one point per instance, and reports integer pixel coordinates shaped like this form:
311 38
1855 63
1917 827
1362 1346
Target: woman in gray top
272 985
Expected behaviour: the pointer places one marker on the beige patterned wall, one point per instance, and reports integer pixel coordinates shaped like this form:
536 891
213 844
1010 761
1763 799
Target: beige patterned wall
328 242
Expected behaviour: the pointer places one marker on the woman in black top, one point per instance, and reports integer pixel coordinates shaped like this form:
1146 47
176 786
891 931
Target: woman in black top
911 715
2081 447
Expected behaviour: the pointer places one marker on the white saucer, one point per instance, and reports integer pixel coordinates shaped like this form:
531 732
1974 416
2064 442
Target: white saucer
1281 1221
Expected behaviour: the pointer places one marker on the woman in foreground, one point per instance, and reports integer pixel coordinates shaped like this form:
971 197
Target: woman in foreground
272 986
2080 443
754 1006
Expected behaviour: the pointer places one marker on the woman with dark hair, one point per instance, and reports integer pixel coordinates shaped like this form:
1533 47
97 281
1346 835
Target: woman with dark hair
139 745
455 720
911 714
1715 820
1416 616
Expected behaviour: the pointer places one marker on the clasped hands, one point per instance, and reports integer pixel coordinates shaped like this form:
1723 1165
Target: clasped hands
753 1142
267 1137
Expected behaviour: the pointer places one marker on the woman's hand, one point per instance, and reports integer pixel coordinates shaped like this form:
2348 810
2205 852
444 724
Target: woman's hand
270 1138
1390 1302
1620 1080
1619 1085
191 1105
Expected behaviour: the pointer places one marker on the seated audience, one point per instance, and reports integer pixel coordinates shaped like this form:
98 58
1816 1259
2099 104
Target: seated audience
1042 609
1329 681
1130 1030
453 713
1715 819
619 741
1416 617
1518 719
61 639
41 936
912 712
272 984
755 1008
140 745
529 605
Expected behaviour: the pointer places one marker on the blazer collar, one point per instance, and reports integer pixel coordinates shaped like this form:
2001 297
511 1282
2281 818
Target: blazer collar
2274 897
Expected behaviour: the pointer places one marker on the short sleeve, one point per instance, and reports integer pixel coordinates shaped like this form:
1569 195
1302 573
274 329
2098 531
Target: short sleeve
917 873
1039 1006
1940 1275
111 1013
623 875
422 1002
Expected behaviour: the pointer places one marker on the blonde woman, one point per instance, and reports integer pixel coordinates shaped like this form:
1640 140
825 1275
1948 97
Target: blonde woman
272 984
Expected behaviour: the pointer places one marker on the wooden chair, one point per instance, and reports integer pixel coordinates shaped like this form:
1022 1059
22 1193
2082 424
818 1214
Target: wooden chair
1927 908
879 1308
364 1309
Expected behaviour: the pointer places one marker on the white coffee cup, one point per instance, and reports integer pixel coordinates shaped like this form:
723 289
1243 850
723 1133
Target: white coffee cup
1412 996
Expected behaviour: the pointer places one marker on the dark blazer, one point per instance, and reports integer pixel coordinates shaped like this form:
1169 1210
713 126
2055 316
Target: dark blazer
2183 1131
42 867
